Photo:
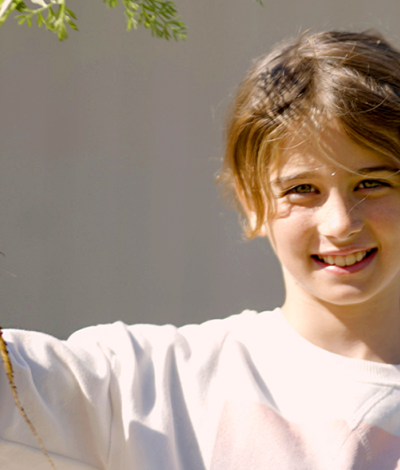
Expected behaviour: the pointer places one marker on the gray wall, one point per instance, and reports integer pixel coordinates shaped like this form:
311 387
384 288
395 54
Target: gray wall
109 146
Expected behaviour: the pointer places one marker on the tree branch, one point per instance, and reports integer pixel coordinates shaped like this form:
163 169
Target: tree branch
4 7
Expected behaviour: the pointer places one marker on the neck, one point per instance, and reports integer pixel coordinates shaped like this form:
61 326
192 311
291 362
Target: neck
367 330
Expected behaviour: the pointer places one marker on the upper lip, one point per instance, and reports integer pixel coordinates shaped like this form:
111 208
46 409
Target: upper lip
346 252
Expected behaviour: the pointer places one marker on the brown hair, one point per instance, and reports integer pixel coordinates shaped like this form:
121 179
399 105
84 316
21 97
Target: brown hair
352 77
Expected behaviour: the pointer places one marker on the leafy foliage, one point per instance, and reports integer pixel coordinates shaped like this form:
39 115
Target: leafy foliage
160 16
54 15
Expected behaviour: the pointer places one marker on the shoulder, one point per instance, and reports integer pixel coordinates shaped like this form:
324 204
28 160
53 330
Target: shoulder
189 347
117 345
146 336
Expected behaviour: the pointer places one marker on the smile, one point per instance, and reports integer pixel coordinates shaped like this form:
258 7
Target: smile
348 260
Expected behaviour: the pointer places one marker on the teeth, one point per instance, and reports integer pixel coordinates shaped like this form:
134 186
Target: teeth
340 261
360 255
350 259
347 260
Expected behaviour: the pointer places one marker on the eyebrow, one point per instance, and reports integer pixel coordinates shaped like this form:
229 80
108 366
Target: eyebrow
297 176
363 171
378 169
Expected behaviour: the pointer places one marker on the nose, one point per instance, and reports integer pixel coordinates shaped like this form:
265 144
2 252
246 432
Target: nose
340 217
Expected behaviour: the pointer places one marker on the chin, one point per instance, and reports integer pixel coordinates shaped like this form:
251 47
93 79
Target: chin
338 293
346 297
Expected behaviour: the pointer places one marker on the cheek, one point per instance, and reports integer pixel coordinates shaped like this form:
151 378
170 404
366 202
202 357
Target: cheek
384 218
291 236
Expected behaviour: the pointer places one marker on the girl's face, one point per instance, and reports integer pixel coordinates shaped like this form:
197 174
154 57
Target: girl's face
336 233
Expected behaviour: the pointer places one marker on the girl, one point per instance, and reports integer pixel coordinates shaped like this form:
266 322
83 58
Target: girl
313 162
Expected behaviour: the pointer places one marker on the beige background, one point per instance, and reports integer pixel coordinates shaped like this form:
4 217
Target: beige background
109 146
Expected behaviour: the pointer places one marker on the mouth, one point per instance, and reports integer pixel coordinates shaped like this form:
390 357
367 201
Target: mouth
345 261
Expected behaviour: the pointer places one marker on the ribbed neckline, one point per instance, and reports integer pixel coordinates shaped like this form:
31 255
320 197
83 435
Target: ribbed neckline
316 357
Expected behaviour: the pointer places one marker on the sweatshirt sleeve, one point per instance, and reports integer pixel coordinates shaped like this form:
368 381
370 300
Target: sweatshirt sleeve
114 397
64 387
107 398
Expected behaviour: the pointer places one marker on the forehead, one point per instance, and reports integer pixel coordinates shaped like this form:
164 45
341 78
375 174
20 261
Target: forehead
331 149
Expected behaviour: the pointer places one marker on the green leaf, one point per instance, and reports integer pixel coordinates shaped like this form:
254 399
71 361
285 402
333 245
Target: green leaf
71 13
71 24
21 19
111 3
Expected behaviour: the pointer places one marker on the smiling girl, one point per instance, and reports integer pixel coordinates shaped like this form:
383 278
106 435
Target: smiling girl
313 162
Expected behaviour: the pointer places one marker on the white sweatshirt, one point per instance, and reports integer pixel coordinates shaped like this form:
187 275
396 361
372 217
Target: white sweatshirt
246 392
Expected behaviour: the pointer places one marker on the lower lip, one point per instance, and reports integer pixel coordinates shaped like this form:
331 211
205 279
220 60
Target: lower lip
340 270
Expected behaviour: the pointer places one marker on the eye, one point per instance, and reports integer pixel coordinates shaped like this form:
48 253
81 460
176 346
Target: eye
373 184
301 189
